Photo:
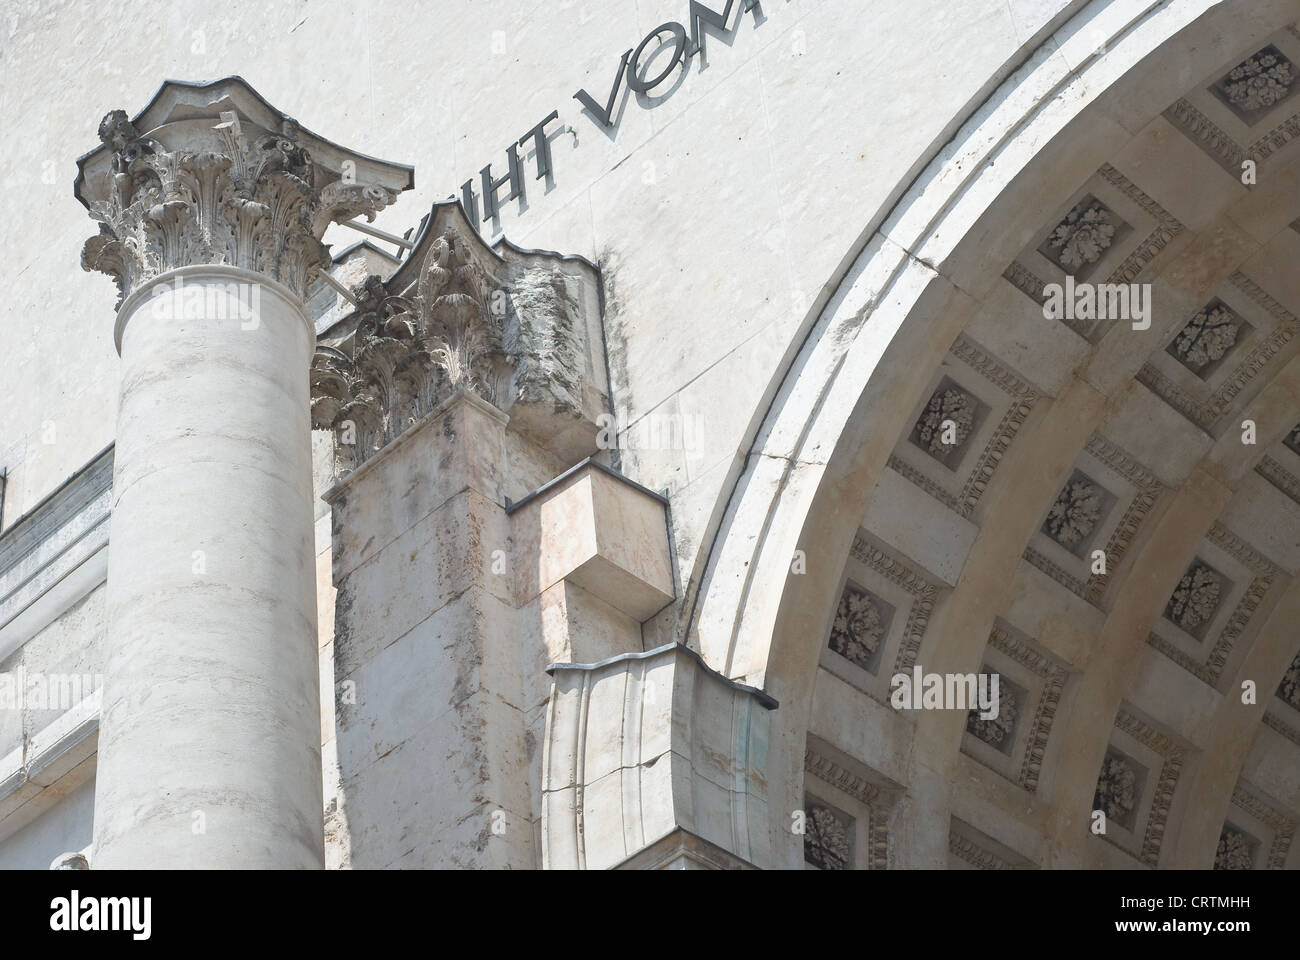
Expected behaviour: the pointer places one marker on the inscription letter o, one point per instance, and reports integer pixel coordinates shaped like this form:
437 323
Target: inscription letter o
633 65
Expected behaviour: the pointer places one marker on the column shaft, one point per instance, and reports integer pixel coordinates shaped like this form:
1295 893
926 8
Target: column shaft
209 745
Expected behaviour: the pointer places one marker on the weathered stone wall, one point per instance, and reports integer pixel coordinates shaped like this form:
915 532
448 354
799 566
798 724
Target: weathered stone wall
723 211
744 171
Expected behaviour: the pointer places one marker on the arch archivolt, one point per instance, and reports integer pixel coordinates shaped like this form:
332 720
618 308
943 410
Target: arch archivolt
1074 435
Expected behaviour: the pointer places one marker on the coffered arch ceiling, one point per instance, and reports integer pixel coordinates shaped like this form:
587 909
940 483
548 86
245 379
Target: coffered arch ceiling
1121 165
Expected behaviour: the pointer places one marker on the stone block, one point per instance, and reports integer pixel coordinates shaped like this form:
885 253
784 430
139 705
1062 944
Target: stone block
602 532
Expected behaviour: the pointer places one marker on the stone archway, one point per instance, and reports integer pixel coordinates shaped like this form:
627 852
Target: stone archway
913 301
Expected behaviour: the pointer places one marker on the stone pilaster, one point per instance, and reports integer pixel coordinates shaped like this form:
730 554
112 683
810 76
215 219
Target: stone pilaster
429 722
458 392
211 207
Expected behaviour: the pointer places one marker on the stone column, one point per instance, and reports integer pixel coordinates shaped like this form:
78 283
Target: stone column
211 206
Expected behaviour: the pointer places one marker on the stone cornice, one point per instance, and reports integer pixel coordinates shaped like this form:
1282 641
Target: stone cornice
55 554
212 174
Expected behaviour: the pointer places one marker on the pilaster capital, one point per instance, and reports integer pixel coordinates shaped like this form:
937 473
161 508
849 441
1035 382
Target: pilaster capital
517 328
213 174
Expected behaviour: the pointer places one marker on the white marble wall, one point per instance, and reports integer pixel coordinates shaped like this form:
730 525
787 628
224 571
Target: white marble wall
744 169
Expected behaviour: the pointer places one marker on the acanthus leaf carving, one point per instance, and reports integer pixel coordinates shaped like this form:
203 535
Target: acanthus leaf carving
457 317
255 201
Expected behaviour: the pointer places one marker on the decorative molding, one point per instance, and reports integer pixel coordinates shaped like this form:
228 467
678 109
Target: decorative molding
1148 491
1206 413
1026 281
1280 726
1266 574
1166 781
1055 571
1263 352
964 848
1155 380
1276 139
1283 826
1220 146
924 593
1023 398
1121 539
915 476
1040 726
1280 477
830 772
1207 135
1167 227
877 801
1184 660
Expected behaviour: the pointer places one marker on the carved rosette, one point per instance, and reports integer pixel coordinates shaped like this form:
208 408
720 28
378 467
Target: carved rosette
1289 688
1083 236
946 406
826 840
256 200
1207 337
1196 598
996 731
1260 81
1074 513
1116 792
1236 850
858 628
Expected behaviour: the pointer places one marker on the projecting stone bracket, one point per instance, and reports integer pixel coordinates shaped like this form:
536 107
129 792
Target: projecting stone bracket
654 757
599 530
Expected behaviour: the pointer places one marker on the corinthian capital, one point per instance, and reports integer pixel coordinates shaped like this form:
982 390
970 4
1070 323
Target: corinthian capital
517 328
213 174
